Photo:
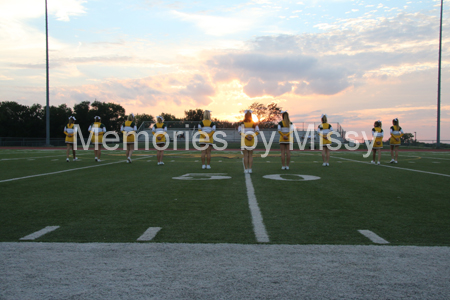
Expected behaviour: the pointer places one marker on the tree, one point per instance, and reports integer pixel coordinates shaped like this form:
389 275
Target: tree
168 117
273 113
34 121
407 138
83 116
259 110
193 114
59 117
113 115
18 120
268 115
140 118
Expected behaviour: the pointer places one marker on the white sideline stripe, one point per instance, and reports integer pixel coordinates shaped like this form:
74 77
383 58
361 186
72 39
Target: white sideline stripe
367 163
39 233
257 220
63 171
149 234
373 237
29 157
429 157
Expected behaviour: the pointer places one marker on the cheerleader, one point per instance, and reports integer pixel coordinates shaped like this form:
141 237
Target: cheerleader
377 134
248 130
159 129
129 134
207 129
324 131
285 131
69 131
394 141
97 129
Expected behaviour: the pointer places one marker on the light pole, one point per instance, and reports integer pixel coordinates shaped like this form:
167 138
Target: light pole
415 136
47 110
438 130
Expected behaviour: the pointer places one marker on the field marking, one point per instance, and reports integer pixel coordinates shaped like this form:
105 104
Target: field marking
2 159
278 177
367 163
63 171
429 157
203 176
39 233
149 234
257 219
373 237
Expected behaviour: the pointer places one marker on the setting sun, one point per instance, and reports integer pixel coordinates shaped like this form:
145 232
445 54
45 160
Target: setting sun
255 118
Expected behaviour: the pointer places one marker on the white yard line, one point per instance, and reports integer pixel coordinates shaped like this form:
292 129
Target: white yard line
6 159
39 233
367 163
257 219
149 234
429 157
63 171
373 237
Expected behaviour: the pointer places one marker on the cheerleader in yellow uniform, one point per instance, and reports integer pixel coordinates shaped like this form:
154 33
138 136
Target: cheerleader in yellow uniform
97 129
394 141
285 130
377 133
159 129
128 130
324 131
69 131
248 130
207 129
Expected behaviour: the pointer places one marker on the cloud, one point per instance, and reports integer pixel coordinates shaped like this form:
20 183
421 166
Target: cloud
21 43
174 89
348 53
199 90
28 9
3 77
276 75
258 88
215 25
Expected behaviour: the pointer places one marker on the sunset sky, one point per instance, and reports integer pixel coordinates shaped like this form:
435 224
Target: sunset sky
356 61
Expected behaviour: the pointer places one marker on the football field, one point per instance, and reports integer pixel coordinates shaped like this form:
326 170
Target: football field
112 201
110 229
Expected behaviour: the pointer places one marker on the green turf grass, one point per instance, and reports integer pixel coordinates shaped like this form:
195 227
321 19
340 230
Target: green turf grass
118 202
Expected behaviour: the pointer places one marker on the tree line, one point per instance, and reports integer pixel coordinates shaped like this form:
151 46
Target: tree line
17 120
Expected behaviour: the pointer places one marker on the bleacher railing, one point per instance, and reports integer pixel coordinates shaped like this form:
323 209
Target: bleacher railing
189 128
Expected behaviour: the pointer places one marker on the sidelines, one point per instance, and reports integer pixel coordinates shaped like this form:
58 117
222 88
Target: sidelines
149 234
6 159
363 162
63 171
257 220
373 237
430 157
37 234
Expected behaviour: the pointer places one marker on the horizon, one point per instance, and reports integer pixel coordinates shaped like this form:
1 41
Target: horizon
356 61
